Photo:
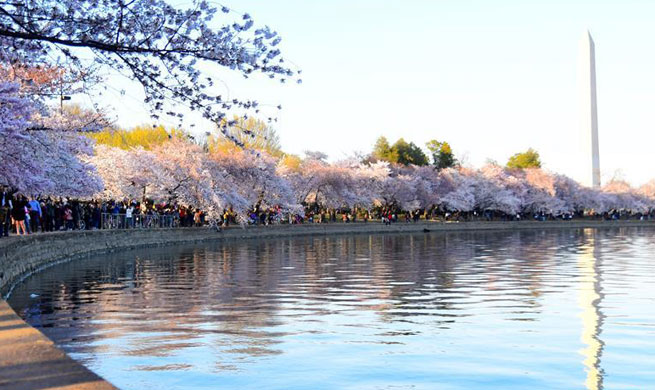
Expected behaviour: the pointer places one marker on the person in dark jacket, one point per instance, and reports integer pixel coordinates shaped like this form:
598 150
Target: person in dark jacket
4 214
50 215
6 201
18 214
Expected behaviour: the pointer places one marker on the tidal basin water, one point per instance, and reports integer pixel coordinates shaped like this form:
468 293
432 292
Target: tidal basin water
565 309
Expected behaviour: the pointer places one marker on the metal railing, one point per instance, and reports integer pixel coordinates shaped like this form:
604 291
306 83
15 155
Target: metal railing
138 221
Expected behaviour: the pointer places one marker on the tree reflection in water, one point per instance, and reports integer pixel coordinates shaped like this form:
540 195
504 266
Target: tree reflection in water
373 311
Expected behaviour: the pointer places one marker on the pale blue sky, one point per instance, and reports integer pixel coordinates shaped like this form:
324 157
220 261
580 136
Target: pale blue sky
490 77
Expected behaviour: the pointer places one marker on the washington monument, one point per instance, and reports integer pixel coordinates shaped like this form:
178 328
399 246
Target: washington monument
589 118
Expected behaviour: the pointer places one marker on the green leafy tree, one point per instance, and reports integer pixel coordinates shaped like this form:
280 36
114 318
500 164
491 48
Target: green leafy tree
528 159
401 152
145 136
251 133
442 154
382 150
408 153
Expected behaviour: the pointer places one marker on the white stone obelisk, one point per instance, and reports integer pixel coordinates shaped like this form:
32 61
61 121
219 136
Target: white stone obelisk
589 118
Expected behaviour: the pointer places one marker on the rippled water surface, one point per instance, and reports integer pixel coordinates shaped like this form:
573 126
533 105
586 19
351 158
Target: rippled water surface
569 309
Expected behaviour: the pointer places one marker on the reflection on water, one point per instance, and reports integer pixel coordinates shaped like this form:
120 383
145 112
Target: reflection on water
592 318
422 311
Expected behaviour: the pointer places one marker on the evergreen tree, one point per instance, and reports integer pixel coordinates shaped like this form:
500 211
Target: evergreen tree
442 154
408 153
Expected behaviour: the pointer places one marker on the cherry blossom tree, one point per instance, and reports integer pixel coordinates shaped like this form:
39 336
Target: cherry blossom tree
426 184
457 187
132 174
162 47
492 192
176 171
575 198
316 181
369 182
45 82
37 161
193 179
70 119
620 196
68 174
537 191
256 179
16 113
398 190
182 172
648 190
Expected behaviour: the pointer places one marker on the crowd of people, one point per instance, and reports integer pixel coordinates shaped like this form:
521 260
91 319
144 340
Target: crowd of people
22 215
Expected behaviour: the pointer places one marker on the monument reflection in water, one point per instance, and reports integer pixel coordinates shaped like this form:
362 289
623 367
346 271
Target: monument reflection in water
569 309
592 318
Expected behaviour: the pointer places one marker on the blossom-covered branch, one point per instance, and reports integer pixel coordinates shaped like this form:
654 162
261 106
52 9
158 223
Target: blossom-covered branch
162 47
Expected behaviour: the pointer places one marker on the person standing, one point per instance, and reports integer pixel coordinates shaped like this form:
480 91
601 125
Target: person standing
68 217
75 208
49 213
27 216
97 216
59 215
6 201
226 218
128 216
4 214
18 214
35 215
183 216
197 218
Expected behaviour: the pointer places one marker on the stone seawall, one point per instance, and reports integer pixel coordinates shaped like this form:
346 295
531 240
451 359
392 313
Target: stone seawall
28 360
23 255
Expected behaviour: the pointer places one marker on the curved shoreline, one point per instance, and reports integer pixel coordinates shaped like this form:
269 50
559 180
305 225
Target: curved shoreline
29 360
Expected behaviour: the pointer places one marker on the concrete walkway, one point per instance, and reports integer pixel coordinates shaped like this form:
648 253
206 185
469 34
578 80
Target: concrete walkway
30 361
